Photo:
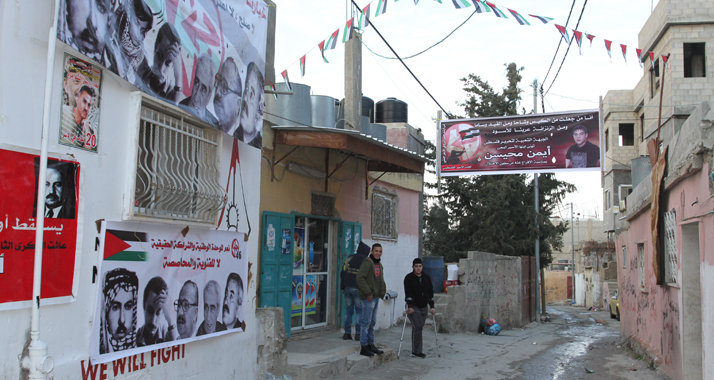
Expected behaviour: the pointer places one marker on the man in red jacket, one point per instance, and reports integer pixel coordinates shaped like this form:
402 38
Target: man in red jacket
419 294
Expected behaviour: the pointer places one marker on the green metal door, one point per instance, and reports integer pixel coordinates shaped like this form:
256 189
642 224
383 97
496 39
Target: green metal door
276 263
350 236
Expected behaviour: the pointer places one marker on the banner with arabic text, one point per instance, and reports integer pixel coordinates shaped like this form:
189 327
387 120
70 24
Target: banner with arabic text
162 285
18 210
552 142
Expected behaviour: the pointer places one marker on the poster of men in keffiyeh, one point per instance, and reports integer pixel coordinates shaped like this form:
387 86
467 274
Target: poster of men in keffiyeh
160 286
205 56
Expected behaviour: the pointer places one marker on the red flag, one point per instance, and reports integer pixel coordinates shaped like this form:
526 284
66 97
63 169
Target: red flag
652 57
608 44
624 51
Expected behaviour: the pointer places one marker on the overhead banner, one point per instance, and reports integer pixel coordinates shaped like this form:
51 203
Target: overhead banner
18 211
205 56
164 285
552 142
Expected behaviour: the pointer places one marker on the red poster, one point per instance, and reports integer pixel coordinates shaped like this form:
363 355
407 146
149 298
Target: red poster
554 142
17 227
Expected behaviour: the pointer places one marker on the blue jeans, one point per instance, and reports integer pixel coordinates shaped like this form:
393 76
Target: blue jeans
352 302
369 319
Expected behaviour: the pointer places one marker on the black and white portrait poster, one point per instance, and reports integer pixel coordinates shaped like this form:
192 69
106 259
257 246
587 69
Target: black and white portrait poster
161 285
205 56
81 85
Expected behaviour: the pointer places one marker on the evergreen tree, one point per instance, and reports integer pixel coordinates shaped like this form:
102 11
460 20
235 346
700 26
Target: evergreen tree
493 213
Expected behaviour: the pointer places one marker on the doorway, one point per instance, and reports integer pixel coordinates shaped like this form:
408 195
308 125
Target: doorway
311 272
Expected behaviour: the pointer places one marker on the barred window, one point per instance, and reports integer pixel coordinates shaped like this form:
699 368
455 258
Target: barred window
384 214
177 171
641 265
670 247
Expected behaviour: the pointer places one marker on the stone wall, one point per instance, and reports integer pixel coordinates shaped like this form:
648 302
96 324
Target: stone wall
490 286
272 341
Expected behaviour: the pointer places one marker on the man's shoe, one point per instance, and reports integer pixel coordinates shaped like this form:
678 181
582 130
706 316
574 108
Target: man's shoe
357 337
365 351
374 349
347 337
422 355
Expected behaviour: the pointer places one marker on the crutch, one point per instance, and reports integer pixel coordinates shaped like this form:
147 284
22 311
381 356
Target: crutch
403 328
433 316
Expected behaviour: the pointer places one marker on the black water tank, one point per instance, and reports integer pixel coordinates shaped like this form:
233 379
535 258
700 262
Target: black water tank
391 110
368 108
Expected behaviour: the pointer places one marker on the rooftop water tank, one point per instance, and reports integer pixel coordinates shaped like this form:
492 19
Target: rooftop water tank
324 111
368 108
292 109
391 110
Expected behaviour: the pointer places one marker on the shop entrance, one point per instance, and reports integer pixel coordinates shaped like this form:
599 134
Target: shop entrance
311 272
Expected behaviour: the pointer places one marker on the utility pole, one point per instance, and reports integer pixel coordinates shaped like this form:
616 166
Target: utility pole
537 241
572 243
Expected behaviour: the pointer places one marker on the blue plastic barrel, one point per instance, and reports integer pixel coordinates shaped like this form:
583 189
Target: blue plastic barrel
434 267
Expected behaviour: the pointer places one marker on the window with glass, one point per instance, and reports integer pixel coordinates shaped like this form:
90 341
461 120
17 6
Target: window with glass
311 246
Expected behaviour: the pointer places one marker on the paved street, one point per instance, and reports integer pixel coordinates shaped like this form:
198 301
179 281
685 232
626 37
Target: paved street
560 349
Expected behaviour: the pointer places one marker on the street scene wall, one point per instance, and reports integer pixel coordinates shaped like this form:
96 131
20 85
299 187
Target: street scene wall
66 328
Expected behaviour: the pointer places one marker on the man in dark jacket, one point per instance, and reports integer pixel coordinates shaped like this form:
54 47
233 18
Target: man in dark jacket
419 293
349 287
371 285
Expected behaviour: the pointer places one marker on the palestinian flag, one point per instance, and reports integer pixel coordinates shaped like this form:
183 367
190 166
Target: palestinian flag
608 45
521 20
564 33
578 39
439 1
481 7
590 37
543 19
302 66
381 8
461 4
321 45
664 60
287 81
496 11
364 18
348 30
652 58
624 51
271 86
639 57
332 41
416 2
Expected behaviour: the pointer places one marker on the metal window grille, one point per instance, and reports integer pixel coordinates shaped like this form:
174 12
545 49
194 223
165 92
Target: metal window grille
670 247
384 214
641 265
177 173
322 204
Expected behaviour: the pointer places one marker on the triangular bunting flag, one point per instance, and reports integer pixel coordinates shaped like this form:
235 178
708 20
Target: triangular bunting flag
302 66
461 4
481 7
364 18
590 37
287 81
381 8
332 41
321 45
652 57
639 56
416 2
272 88
578 39
496 11
664 60
521 20
543 19
348 30
563 32
439 1
624 51
608 44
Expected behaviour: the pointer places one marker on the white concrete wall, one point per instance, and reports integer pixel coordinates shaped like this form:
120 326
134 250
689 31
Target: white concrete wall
66 328
580 285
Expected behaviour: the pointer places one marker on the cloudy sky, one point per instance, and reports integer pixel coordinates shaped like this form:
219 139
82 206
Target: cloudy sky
481 46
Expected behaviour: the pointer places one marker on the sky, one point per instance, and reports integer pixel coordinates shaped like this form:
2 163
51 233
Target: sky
482 46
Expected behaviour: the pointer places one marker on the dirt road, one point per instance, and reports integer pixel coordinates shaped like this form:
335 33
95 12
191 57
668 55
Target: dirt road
573 345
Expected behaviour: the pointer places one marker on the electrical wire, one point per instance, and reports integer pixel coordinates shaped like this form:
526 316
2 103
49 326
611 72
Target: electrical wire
427 49
400 60
559 42
567 50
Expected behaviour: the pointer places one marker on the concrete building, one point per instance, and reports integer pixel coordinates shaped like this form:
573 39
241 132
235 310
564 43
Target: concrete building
666 293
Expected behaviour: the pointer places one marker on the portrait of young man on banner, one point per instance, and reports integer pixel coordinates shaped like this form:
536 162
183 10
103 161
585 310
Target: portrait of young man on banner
552 142
212 67
81 85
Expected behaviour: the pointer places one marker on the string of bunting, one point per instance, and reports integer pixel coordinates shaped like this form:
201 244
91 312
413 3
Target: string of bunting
379 7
